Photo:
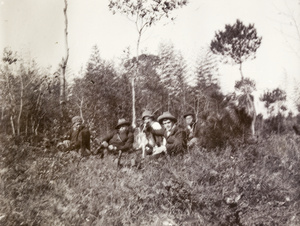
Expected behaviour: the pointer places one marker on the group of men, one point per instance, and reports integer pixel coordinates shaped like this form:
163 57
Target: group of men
161 137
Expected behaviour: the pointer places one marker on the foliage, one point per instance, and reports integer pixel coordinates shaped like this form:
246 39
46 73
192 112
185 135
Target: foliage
271 97
230 125
296 95
275 124
172 74
146 12
256 185
206 96
275 100
245 86
99 93
148 88
29 97
224 182
238 42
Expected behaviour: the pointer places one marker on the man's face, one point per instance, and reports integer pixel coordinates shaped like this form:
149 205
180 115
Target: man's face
123 128
168 124
147 119
189 119
76 125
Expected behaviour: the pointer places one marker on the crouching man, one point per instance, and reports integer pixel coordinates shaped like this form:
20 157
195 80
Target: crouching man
117 142
153 132
176 142
193 130
78 138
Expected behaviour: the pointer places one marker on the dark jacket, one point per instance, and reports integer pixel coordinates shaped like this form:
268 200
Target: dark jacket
176 141
196 131
123 141
80 139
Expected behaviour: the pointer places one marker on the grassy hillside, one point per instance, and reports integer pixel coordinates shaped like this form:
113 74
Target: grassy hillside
256 185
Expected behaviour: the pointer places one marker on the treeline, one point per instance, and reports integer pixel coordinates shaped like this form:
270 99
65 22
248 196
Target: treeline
29 97
31 107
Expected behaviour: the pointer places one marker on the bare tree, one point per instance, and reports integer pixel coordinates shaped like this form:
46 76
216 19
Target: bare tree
8 97
290 20
63 65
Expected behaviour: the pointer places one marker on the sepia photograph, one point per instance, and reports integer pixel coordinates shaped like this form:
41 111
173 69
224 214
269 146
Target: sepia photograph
150 112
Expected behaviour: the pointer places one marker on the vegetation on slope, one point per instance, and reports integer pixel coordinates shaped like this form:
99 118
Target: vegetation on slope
256 185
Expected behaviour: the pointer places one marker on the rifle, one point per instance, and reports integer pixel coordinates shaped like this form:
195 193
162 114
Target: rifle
119 158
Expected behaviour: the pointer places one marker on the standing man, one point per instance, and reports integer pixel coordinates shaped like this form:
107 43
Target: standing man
175 137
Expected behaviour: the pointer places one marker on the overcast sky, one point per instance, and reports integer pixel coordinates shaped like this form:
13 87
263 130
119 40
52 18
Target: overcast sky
35 29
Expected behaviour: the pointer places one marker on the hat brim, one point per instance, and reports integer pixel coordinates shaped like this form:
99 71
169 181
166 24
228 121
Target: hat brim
167 117
76 123
188 115
122 124
150 116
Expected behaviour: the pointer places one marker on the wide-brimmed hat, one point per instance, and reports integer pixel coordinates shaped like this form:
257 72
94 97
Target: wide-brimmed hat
76 119
189 113
147 113
166 115
122 122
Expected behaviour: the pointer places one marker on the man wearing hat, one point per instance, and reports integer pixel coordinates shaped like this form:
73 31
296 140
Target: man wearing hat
175 137
78 137
193 129
118 141
152 130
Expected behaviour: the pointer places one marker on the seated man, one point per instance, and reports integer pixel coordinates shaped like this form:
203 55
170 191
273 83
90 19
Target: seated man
78 138
153 131
175 137
193 130
118 141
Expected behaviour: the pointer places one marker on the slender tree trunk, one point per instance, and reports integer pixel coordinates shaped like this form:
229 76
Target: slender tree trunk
253 121
169 102
64 65
80 109
26 125
278 124
12 100
133 103
33 125
12 125
278 118
36 129
21 106
241 72
2 112
251 104
133 80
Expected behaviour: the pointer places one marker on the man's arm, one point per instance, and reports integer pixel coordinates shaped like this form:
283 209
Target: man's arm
198 130
179 144
156 129
107 138
128 144
86 139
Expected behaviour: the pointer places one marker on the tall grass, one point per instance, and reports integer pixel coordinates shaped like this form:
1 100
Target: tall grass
255 185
